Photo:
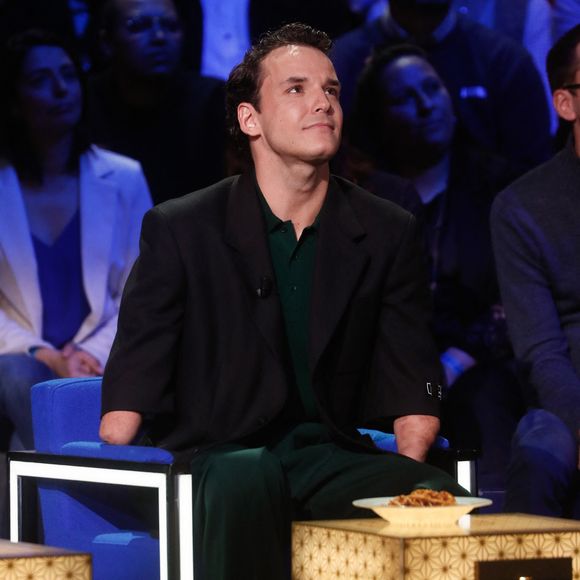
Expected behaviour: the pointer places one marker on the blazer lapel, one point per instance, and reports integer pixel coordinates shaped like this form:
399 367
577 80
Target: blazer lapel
98 206
245 234
22 290
340 262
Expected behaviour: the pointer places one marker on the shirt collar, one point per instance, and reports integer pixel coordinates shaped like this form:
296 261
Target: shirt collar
273 222
393 29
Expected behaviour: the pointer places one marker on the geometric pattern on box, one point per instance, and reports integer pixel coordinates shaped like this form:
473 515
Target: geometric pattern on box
23 561
326 550
46 568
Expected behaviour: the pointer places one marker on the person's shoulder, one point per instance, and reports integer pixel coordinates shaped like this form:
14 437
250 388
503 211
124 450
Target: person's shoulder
490 42
201 204
371 206
484 173
105 159
363 36
200 88
113 166
533 187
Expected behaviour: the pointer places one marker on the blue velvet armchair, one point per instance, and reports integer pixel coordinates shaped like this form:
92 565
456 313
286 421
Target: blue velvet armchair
129 506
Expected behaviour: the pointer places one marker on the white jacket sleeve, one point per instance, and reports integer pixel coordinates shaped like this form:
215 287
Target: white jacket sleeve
15 338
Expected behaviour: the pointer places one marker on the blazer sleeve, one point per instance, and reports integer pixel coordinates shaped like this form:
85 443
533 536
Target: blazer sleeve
406 374
139 371
99 342
532 315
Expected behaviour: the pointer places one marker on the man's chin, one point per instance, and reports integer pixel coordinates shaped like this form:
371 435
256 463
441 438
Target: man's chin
323 157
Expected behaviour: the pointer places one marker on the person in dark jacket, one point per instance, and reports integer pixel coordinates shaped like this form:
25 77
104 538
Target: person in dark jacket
486 74
148 107
535 227
271 315
404 124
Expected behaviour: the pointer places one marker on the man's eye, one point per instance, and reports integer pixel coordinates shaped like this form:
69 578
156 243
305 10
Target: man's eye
36 81
432 87
296 89
332 91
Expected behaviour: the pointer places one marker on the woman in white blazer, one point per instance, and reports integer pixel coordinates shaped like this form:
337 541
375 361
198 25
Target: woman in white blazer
70 215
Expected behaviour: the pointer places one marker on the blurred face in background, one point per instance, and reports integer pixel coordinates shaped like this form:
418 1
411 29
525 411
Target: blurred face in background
419 17
145 38
48 92
416 111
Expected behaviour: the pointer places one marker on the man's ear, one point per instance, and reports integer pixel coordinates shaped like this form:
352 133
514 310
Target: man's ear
562 100
248 119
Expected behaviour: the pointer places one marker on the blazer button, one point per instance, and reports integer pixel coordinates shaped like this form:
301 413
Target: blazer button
261 421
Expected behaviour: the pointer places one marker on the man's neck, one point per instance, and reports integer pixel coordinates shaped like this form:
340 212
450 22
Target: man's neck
54 153
141 92
294 194
432 181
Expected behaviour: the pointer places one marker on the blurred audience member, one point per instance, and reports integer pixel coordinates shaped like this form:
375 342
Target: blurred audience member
566 16
69 228
148 107
404 123
536 233
528 22
217 34
71 20
368 9
486 74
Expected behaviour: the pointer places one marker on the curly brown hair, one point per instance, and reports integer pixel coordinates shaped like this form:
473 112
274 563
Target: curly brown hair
245 80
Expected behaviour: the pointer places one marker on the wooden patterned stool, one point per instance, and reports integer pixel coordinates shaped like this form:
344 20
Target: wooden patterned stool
482 547
22 561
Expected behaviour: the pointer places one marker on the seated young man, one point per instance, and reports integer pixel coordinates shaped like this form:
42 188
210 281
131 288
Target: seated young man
268 317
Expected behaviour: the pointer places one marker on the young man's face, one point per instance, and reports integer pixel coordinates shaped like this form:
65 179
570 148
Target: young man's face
299 117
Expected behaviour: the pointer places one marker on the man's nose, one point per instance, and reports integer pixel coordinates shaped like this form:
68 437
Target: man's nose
159 32
322 102
59 85
424 102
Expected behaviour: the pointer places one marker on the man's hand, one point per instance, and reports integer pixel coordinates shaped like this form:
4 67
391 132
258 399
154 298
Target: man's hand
69 362
119 427
80 363
415 434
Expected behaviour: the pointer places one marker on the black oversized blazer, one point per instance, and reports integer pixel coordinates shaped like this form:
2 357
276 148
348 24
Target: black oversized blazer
199 350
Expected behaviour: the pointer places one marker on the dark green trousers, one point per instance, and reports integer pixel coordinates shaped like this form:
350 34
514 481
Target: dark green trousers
244 499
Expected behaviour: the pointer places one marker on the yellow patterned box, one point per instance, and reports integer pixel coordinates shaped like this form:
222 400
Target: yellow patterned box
480 547
22 561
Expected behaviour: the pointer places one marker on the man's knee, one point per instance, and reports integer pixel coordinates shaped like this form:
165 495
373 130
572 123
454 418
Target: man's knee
541 436
241 476
21 368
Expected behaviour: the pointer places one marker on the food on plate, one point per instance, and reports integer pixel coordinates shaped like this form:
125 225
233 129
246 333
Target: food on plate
424 498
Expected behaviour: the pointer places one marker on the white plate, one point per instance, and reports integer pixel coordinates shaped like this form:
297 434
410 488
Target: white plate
443 515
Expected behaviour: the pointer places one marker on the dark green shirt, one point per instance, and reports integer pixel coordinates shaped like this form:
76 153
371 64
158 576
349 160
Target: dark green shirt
293 262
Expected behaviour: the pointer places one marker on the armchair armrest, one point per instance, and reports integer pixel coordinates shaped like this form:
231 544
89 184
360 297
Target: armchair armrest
98 450
388 441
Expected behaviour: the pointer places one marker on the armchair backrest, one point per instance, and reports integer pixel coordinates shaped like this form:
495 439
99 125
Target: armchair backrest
65 410
112 522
